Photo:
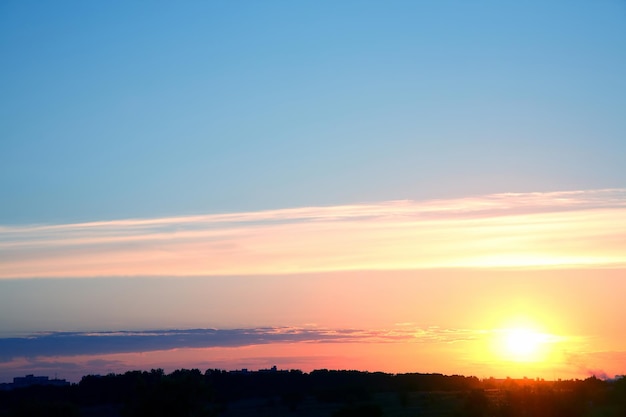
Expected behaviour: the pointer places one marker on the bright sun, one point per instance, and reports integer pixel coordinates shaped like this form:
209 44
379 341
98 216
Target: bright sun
523 344
520 345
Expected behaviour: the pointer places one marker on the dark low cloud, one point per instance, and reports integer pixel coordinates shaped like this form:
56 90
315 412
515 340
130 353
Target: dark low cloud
98 343
92 343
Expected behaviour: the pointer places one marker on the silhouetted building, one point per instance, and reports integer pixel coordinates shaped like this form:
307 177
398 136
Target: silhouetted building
29 380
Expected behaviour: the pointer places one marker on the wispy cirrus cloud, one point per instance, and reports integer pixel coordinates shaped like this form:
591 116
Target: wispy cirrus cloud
557 229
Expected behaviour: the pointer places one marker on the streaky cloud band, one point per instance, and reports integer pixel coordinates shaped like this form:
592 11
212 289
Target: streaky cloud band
528 230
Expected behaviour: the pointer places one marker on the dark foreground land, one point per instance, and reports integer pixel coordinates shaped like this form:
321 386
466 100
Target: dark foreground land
192 393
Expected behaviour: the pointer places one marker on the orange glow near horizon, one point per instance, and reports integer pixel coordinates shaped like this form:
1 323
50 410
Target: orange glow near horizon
402 357
520 348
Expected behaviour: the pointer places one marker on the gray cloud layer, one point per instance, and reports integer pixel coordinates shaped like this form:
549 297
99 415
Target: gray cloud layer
95 343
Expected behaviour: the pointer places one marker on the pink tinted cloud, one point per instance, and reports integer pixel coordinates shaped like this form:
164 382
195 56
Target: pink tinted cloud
536 230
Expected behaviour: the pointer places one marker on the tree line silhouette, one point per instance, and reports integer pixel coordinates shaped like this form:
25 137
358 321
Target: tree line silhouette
190 392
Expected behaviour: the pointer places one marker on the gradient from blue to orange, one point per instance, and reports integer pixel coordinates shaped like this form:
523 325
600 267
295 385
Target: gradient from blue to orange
423 174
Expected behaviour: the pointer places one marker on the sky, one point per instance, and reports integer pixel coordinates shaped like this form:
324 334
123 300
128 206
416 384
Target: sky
403 186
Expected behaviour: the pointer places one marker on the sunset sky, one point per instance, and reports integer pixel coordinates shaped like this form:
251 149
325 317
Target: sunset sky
402 186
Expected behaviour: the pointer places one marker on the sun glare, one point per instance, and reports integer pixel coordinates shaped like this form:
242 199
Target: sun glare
522 343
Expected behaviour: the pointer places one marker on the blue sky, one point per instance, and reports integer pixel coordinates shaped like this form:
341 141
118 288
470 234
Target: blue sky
124 110
348 180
